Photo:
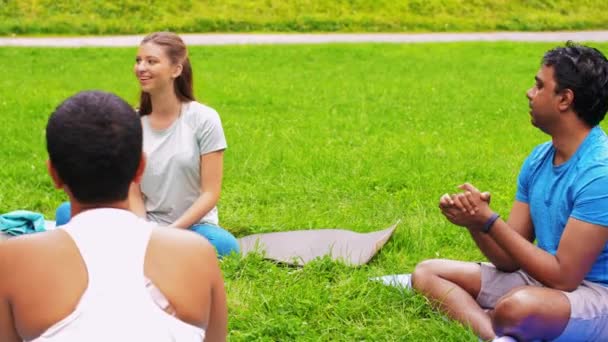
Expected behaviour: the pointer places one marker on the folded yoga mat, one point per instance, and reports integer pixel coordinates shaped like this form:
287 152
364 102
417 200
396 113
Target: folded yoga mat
301 246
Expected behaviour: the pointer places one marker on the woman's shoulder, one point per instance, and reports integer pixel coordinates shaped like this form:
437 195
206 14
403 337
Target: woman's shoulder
197 109
200 117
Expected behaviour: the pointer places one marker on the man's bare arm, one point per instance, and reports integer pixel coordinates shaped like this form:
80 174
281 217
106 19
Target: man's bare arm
217 329
521 222
579 248
8 332
580 245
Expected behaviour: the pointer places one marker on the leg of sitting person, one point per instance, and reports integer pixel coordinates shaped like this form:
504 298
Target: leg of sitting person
224 242
530 312
453 287
547 314
63 214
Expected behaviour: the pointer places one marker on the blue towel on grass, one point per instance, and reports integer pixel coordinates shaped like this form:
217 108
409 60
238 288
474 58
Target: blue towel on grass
21 222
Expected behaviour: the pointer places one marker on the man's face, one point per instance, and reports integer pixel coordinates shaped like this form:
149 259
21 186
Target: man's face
543 100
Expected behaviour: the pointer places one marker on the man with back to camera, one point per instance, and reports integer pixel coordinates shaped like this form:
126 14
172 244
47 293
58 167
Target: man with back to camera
557 289
92 279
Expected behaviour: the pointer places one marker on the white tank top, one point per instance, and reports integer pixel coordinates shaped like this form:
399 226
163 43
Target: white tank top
116 306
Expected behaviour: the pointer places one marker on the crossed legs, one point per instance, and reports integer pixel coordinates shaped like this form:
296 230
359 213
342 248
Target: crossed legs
525 311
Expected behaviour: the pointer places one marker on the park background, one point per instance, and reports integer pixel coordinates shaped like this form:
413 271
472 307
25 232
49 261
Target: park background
351 136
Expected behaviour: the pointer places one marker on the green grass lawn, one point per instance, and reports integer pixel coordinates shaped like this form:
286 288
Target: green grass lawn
324 136
136 16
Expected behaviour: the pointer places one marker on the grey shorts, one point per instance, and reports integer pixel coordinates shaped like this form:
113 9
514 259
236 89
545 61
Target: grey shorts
588 303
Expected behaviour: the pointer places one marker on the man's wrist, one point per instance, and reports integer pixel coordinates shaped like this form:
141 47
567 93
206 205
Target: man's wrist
489 223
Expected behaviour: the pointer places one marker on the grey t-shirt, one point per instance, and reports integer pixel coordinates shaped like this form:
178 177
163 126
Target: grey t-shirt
171 181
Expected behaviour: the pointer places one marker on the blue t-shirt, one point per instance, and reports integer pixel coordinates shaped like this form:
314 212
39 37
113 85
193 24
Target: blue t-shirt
577 188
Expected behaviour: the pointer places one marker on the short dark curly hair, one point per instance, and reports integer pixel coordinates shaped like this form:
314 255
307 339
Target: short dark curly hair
94 141
584 70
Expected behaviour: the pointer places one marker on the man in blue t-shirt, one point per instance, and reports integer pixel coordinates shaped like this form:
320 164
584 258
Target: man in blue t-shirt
558 288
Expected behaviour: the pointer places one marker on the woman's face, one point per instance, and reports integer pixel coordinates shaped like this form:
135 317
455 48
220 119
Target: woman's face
153 68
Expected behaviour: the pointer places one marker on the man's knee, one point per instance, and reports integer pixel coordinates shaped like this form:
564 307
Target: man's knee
513 311
531 313
425 271
466 275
